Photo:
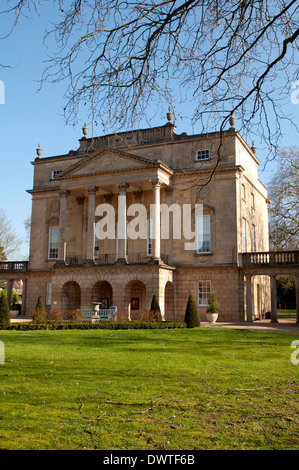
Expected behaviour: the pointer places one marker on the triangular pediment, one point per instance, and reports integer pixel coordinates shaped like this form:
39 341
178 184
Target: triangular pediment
107 160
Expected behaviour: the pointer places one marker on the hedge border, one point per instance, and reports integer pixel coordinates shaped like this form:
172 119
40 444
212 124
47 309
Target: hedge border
130 325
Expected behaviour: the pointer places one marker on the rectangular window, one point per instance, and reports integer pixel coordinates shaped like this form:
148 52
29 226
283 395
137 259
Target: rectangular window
243 192
203 234
252 201
55 173
149 241
96 246
53 242
127 240
49 293
253 246
243 235
204 293
202 155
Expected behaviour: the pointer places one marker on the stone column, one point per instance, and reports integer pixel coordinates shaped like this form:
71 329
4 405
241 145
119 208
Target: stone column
273 300
155 232
9 291
24 290
90 226
62 227
122 224
297 297
249 297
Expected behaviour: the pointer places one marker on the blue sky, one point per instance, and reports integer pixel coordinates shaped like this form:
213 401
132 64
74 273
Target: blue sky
28 117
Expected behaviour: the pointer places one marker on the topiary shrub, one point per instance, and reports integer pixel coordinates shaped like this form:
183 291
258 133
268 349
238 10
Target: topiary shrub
213 304
4 313
39 315
191 315
155 312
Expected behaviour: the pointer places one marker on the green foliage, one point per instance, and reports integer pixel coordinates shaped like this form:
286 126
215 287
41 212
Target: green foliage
2 254
191 314
15 299
155 304
3 291
4 313
213 304
286 291
105 325
39 314
155 309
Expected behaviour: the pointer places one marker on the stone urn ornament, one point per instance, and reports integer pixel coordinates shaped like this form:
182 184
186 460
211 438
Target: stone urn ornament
213 309
39 151
96 308
169 115
85 130
232 121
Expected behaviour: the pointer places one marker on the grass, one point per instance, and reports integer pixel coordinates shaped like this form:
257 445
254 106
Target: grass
286 313
200 388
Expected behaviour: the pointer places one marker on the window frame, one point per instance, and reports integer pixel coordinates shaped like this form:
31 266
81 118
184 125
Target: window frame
204 240
51 242
55 173
253 238
49 293
148 239
206 286
205 155
96 246
243 235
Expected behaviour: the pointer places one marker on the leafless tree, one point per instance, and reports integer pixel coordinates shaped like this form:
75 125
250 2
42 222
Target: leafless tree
9 242
284 208
27 226
121 59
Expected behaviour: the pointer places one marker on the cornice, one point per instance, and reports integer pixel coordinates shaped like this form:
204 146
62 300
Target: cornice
188 172
116 171
43 190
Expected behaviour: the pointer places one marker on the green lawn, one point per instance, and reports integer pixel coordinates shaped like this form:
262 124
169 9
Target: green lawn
286 313
182 389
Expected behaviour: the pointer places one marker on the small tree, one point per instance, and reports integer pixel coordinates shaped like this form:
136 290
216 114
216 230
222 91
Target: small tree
191 315
155 309
39 314
4 313
213 304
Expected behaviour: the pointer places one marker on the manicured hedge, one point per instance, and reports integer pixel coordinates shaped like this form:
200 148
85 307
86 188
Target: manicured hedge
128 325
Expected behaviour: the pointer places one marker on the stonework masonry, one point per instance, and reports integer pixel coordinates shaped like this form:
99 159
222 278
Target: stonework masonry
71 268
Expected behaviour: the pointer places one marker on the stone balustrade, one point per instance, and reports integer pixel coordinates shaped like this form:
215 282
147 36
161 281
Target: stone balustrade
271 258
13 266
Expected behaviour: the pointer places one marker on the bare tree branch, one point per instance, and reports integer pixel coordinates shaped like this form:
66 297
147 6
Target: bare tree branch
124 60
284 208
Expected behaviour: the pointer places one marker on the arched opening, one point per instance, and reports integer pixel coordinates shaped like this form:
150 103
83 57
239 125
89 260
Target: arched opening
102 291
169 302
70 296
135 298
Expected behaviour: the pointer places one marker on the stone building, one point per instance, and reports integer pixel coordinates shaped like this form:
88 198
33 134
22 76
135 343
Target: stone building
72 265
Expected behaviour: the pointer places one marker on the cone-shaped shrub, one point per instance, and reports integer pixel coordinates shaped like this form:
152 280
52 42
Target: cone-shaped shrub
40 315
4 312
191 314
155 309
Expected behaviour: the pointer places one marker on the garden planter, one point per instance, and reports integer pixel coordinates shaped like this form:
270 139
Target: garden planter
212 317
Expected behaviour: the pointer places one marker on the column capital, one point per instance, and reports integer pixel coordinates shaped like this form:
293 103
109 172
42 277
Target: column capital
156 182
92 190
122 187
64 193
